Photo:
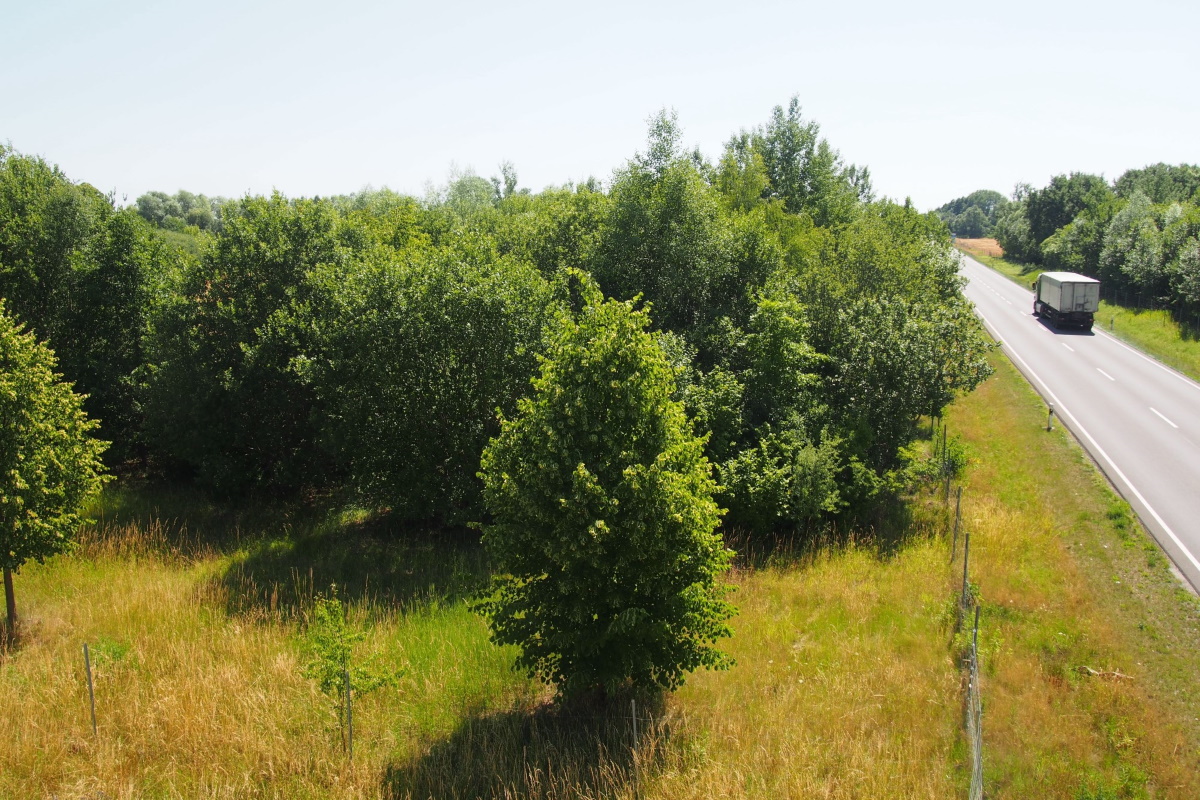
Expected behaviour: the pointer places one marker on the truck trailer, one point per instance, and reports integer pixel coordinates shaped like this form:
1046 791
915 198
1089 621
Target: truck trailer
1066 299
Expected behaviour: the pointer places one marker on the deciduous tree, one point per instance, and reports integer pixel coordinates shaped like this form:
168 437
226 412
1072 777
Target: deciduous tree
604 521
49 462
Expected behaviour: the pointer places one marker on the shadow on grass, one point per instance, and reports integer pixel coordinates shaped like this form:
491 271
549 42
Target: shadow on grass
894 524
550 752
373 563
278 556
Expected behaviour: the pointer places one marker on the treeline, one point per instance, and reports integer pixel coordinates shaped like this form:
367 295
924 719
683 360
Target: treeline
369 344
1140 235
975 215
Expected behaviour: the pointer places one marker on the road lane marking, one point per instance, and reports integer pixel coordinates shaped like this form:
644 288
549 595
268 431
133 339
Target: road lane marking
1105 374
1072 349
1145 357
1164 419
1060 409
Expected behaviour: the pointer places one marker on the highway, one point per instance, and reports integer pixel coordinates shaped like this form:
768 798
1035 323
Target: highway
1139 419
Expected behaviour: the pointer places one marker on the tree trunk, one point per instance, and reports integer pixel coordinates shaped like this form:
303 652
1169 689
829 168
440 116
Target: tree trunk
10 601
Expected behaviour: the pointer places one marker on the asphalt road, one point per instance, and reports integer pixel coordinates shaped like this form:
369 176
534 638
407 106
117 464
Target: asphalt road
1139 419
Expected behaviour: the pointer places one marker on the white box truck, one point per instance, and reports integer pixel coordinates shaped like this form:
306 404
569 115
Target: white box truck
1066 299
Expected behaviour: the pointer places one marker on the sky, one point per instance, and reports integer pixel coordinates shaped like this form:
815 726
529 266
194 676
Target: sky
938 99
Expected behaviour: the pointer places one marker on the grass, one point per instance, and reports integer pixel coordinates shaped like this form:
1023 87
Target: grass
847 682
1153 331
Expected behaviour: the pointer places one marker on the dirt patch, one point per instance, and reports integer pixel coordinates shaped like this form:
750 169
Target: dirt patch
987 247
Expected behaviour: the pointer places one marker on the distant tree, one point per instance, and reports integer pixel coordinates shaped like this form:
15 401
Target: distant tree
1013 233
970 224
1162 183
1181 254
1058 203
604 528
505 185
176 212
667 237
49 463
988 203
742 173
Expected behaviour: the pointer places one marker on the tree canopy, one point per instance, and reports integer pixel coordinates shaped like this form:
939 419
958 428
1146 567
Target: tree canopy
604 523
49 462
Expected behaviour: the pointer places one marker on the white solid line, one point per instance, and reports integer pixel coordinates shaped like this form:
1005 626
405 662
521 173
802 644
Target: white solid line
1060 409
1105 374
1072 349
1142 355
1164 419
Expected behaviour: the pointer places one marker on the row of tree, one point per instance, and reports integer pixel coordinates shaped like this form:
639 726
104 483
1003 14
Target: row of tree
975 215
594 372
367 342
1141 234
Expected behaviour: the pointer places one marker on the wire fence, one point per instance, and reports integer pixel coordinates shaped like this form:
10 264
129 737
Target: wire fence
968 608
974 713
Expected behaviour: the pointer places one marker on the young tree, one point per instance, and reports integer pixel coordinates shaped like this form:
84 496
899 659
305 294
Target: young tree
604 522
49 464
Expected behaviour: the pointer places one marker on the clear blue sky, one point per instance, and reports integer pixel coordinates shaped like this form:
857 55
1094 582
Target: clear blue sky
937 98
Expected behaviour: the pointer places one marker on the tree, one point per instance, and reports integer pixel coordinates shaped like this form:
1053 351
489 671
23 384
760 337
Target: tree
1056 205
222 397
1162 183
604 522
78 273
805 172
49 464
1012 231
970 224
415 353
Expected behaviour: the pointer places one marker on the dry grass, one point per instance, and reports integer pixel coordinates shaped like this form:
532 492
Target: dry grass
847 682
1069 583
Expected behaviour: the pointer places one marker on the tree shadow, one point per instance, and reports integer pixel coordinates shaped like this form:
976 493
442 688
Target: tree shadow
890 526
549 752
278 556
376 562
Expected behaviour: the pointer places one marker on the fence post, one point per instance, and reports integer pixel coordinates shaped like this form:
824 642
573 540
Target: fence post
975 702
87 665
966 565
957 517
349 717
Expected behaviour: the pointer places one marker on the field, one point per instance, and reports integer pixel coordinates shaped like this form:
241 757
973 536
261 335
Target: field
847 681
980 247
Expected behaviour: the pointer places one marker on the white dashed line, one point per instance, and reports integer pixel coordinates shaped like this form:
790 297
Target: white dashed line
1164 419
1064 344
1105 374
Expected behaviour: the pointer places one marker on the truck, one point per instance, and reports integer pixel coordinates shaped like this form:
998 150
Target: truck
1066 299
